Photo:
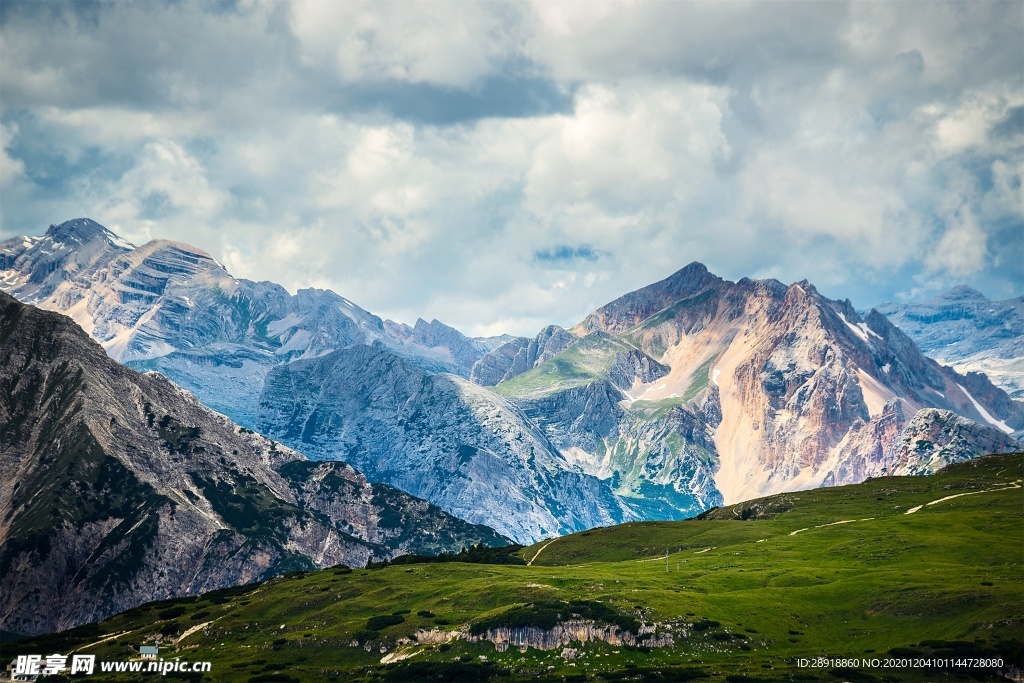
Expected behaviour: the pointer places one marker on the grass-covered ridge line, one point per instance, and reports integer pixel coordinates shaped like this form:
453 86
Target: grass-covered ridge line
753 595
474 554
585 360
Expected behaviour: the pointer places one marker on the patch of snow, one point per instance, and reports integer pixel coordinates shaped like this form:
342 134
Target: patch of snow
714 376
277 327
860 329
867 330
856 330
886 368
119 241
298 341
985 414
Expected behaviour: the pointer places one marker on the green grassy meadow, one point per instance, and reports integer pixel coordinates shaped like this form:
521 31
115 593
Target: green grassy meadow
752 597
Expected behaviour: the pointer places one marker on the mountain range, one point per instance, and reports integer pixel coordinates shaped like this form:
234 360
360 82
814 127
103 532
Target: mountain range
117 488
964 329
690 393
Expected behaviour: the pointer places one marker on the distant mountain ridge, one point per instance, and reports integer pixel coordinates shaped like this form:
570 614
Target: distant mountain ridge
964 329
173 308
679 396
117 488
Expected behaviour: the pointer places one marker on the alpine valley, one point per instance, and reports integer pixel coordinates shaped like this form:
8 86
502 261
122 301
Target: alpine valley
690 393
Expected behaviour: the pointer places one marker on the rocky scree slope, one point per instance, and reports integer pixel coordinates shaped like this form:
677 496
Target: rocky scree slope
118 488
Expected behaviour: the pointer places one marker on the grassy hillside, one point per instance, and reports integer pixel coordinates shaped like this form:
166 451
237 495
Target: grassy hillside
746 591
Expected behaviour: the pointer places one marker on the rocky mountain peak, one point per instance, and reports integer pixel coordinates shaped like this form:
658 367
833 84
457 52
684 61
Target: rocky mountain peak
768 287
688 281
79 231
435 329
630 309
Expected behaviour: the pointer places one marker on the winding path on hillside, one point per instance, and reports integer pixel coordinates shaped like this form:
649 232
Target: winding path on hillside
842 521
1010 485
102 640
1013 485
540 550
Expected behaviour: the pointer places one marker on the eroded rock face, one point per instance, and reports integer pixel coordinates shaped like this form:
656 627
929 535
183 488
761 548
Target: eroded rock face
635 366
118 488
562 635
800 390
439 437
661 463
935 438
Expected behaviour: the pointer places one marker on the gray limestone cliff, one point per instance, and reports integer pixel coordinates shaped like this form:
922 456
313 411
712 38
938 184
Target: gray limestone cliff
438 437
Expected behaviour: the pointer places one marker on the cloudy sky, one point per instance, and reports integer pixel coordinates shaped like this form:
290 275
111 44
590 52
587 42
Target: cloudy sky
505 166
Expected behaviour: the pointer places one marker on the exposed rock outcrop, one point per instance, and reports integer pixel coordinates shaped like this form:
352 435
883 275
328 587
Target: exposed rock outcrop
934 438
563 634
